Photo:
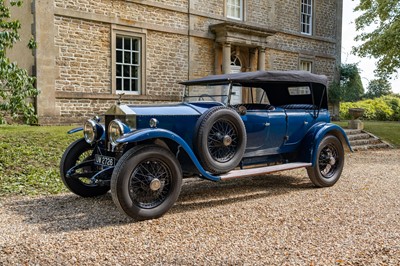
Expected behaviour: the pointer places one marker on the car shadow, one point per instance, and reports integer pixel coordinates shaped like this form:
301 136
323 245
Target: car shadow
68 212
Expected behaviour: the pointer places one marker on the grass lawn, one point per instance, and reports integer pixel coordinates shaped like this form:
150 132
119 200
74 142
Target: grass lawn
388 131
30 157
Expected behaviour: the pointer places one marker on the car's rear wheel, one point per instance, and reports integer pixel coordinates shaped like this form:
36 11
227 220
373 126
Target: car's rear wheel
79 181
329 165
221 139
146 182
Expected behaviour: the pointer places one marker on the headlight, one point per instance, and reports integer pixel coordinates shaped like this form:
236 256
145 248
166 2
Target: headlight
90 131
115 130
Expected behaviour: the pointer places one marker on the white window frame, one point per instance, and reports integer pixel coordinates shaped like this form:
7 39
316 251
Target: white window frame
306 65
139 34
306 17
229 4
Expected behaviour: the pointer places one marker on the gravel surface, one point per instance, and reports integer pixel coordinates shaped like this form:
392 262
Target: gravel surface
279 219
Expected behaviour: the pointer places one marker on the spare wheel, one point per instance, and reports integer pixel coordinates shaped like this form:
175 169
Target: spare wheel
221 139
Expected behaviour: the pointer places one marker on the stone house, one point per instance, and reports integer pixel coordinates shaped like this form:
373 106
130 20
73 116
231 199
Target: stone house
89 51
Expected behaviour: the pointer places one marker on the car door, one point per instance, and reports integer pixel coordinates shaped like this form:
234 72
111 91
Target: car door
298 123
265 129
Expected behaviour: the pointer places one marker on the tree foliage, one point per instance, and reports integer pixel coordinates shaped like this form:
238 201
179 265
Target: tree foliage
377 88
16 86
350 88
382 41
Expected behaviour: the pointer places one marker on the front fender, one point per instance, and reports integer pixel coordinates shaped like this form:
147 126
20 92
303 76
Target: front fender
314 137
157 133
74 130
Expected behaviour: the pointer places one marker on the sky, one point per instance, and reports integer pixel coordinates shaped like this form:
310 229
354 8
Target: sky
366 65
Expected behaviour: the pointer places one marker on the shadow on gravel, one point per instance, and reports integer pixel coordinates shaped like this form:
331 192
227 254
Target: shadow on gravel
68 212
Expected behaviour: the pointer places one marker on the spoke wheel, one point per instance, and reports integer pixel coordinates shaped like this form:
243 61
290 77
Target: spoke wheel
80 183
150 183
221 139
146 182
330 162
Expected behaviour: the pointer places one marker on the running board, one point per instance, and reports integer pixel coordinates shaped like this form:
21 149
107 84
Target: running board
262 170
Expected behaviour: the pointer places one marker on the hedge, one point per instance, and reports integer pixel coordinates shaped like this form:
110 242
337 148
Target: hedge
385 108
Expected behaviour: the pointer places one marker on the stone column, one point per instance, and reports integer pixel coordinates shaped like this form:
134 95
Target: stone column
226 58
252 59
46 70
217 62
261 58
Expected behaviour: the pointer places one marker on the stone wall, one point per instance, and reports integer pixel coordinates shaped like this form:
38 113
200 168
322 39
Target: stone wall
167 63
83 56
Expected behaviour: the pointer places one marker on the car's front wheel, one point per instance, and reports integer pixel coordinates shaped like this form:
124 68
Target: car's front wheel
330 161
146 182
79 181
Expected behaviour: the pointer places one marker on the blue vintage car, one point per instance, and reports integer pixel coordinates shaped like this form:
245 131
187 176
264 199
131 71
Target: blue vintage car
227 126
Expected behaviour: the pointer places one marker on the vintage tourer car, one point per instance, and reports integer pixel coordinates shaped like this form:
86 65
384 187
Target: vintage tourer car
227 126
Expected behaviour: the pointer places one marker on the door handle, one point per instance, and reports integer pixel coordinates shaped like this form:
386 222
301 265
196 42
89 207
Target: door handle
305 123
267 124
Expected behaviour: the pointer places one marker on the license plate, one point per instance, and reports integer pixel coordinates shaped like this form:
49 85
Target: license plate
104 160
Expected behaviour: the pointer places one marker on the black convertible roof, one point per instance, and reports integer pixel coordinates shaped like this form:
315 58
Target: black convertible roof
257 78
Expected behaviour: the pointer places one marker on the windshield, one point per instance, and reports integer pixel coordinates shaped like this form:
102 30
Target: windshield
220 93
208 93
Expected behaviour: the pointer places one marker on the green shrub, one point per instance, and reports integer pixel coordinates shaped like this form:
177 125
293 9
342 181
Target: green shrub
386 108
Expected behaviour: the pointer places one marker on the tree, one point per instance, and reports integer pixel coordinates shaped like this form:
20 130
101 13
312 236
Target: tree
16 86
383 41
350 88
377 88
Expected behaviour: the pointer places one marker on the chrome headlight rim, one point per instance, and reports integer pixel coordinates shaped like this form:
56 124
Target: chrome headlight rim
90 131
115 131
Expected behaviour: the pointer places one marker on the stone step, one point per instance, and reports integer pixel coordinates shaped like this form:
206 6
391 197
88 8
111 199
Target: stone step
358 136
371 147
352 131
368 141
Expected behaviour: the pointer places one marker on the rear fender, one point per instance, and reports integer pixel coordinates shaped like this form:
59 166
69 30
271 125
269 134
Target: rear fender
158 133
314 137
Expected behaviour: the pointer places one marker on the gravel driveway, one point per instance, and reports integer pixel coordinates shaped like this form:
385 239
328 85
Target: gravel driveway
274 220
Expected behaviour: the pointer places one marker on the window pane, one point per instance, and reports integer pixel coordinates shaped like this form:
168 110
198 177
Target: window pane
119 70
134 85
126 72
135 58
134 72
119 84
119 43
126 85
119 56
135 44
127 43
127 57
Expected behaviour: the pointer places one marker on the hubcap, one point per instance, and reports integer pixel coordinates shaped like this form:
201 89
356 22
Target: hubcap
155 184
227 140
